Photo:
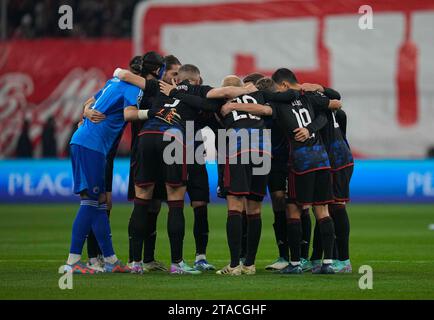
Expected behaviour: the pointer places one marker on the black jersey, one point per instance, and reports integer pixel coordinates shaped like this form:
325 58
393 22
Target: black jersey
241 119
334 140
310 155
186 111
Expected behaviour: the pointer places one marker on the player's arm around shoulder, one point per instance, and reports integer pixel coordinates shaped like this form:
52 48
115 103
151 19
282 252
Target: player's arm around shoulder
128 76
230 92
252 108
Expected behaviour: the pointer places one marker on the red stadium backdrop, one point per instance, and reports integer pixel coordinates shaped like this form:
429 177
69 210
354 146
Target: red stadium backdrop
44 78
386 75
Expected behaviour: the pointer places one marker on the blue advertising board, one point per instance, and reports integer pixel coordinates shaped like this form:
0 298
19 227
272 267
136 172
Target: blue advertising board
45 181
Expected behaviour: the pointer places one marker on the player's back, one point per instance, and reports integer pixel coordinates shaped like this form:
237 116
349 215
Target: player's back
111 101
335 143
241 119
299 113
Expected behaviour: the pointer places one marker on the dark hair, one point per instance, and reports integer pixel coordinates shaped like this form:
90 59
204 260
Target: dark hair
284 74
151 62
136 64
189 68
253 77
171 61
266 84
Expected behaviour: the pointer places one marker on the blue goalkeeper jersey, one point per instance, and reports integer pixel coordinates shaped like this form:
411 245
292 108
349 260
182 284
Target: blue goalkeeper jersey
111 100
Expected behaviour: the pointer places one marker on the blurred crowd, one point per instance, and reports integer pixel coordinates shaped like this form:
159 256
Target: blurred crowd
91 18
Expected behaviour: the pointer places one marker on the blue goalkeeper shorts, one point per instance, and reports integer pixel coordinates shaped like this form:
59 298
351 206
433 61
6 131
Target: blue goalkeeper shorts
88 170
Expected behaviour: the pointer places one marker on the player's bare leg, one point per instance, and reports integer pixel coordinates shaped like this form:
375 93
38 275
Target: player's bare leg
176 229
234 233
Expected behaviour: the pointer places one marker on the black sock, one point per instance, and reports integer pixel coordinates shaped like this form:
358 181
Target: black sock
316 245
200 229
306 231
254 227
294 238
327 231
151 232
137 228
280 232
342 229
243 234
233 232
93 249
176 229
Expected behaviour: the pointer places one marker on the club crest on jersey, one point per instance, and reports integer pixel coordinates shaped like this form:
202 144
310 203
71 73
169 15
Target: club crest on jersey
296 103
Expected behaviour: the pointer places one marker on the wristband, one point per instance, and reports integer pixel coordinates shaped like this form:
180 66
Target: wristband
143 114
116 73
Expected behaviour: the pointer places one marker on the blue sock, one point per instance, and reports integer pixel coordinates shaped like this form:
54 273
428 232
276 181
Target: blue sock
101 229
82 225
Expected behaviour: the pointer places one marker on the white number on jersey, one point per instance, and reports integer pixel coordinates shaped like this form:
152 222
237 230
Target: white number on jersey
245 99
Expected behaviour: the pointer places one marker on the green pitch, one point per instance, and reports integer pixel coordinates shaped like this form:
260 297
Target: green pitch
394 240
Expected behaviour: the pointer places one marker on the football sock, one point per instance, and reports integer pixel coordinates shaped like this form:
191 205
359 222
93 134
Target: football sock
327 231
342 229
199 257
82 224
306 231
280 232
137 228
254 226
93 249
73 258
101 229
176 229
151 237
316 244
243 234
233 232
200 229
294 238
111 259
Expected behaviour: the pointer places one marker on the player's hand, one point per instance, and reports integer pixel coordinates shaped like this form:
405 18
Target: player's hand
301 134
168 115
250 88
312 87
166 88
227 108
94 115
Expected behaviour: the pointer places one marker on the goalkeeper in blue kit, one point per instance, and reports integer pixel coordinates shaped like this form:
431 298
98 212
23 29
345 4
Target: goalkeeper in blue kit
90 145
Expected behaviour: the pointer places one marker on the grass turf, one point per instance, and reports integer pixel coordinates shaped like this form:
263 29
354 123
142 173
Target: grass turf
393 240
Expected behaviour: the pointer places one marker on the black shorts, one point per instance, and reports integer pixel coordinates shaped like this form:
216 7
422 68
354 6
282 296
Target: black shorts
151 167
197 184
312 188
240 180
277 179
341 184
160 192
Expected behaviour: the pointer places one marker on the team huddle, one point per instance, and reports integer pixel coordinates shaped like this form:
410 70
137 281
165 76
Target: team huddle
271 133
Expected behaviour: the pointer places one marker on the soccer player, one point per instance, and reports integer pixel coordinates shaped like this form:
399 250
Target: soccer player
154 66
333 135
90 145
171 122
197 184
242 184
309 181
